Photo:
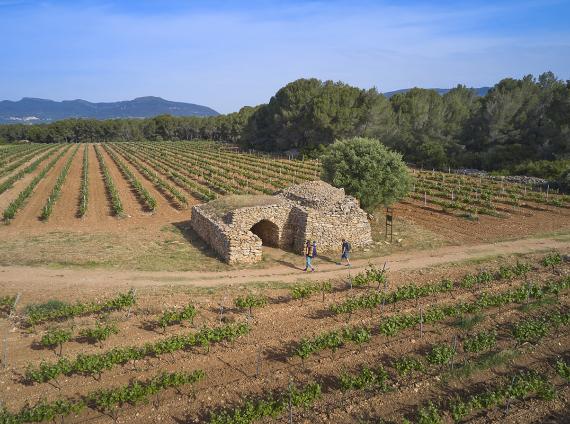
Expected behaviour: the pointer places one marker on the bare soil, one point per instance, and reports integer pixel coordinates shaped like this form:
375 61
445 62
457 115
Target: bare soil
486 228
263 360
164 241
94 258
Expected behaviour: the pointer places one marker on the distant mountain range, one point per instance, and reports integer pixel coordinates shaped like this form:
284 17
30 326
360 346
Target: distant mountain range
32 110
481 91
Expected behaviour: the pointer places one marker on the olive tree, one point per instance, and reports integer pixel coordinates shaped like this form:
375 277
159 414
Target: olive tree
367 170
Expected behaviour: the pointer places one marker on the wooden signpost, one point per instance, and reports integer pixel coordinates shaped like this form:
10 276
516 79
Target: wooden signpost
389 222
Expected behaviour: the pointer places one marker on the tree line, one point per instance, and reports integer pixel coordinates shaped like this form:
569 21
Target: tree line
520 125
164 127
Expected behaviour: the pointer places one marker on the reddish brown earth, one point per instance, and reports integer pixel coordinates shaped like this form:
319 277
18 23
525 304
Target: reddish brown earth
486 228
262 361
469 246
8 196
92 281
98 218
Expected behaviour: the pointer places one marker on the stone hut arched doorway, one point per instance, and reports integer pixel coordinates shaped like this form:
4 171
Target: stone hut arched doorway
268 232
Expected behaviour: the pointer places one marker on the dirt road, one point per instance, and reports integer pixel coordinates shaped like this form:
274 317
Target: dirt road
70 282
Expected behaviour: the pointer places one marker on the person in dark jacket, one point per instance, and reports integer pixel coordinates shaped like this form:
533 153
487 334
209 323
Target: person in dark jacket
308 256
345 252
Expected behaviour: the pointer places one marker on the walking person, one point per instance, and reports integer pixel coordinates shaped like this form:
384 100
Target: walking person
308 256
345 252
314 251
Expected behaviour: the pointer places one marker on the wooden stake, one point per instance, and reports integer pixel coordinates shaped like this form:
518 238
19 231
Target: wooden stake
5 349
221 313
509 399
134 296
290 404
454 350
14 305
258 365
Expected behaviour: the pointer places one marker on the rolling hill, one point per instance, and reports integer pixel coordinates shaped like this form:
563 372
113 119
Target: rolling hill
32 110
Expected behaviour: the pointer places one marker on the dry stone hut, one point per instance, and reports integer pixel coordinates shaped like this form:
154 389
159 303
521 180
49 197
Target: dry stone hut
237 227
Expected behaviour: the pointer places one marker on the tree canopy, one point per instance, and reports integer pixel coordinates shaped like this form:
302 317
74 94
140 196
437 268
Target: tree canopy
367 170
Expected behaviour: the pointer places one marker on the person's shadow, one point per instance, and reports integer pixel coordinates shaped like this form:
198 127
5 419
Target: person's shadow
288 264
326 259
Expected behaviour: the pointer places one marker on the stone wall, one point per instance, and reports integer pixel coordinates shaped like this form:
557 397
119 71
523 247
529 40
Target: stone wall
233 246
314 211
329 230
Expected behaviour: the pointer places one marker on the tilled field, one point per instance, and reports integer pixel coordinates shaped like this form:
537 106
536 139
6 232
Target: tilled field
173 176
386 350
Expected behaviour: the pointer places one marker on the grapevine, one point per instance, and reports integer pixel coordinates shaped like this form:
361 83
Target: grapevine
84 190
101 400
143 194
251 301
65 311
272 406
172 317
112 192
95 364
20 201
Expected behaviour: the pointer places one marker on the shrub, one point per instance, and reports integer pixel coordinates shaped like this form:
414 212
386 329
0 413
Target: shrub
547 169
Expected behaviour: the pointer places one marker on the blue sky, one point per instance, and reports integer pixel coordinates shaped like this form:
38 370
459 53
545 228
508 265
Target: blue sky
227 54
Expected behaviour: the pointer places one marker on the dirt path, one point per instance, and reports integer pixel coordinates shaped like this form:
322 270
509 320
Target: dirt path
94 281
